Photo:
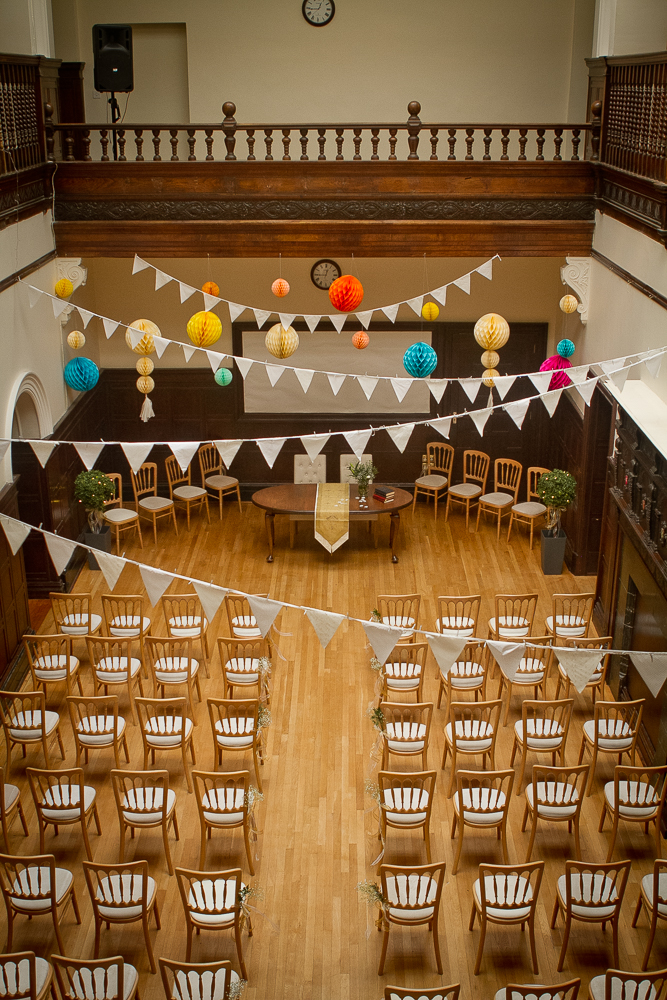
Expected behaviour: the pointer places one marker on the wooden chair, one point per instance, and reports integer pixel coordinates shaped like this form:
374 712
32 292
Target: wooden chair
25 976
114 666
403 672
458 615
10 805
407 728
570 617
406 801
61 799
400 611
418 993
124 618
533 509
472 730
223 801
34 887
527 991
637 795
241 667
96 979
235 729
506 481
555 795
212 901
165 726
628 985
172 665
439 458
543 728
514 615
533 671
120 518
592 893
475 473
144 801
185 619
612 730
481 801
597 681
413 899
73 616
97 725
468 673
506 894
652 896
197 981
214 475
181 490
147 502
26 723
122 894
242 622
50 660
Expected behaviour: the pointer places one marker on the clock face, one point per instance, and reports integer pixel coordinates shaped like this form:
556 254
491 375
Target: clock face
324 272
318 12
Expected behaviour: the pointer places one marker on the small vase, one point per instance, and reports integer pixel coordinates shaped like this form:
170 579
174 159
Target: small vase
363 490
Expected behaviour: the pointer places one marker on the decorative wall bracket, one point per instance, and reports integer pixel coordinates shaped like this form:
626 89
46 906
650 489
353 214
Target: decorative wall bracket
576 274
70 267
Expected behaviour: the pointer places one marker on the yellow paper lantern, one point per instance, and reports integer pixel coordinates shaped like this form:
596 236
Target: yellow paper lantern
144 366
492 331
569 303
489 375
75 340
204 328
145 384
430 311
281 342
64 288
490 359
146 345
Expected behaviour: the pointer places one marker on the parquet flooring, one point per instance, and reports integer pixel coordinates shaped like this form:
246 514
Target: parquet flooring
316 937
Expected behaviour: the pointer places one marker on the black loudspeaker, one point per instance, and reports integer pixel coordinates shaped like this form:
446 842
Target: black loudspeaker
112 53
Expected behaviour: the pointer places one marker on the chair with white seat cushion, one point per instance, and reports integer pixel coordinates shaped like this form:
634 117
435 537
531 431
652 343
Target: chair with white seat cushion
197 981
413 896
10 803
543 728
121 518
535 991
165 726
506 480
173 665
475 473
468 673
533 509
61 799
50 660
245 663
214 475
144 801
97 979
403 671
555 795
124 617
514 615
242 622
596 684
592 893
618 985
236 728
114 665
406 801
400 611
481 802
225 802
97 725
185 619
458 615
212 901
472 731
652 895
34 887
533 671
182 491
570 616
407 729
122 894
439 458
73 616
25 976
506 895
26 723
418 993
147 502
613 729
637 795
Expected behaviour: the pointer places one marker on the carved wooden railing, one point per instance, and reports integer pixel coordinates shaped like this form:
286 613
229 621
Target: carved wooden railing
635 115
21 140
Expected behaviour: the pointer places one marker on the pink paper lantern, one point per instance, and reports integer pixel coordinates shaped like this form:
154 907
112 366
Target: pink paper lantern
556 364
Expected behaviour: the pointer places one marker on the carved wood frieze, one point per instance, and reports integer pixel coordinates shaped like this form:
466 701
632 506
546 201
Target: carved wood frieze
25 193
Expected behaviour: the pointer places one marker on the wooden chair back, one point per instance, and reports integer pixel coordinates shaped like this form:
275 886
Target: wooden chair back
618 721
476 467
591 886
95 722
28 879
439 458
221 794
117 498
18 976
200 981
417 993
49 658
183 611
233 716
572 611
406 660
473 659
515 611
400 610
532 479
559 991
168 655
559 787
143 793
486 794
117 887
123 615
412 888
509 888
57 791
538 656
458 613
507 476
71 611
242 622
144 481
407 795
98 978
640 788
175 475
659 897
546 721
635 985
211 893
474 721
162 717
210 462
22 714
110 655
407 725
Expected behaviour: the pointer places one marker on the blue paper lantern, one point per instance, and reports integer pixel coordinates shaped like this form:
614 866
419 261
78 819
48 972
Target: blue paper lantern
420 360
223 376
565 348
81 374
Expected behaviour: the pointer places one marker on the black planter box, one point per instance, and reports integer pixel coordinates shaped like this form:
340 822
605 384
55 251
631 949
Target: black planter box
553 552
100 541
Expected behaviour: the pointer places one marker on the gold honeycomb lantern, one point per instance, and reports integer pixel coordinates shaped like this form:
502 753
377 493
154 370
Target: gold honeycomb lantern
569 303
492 331
488 377
76 340
146 345
204 328
145 384
490 359
281 342
144 366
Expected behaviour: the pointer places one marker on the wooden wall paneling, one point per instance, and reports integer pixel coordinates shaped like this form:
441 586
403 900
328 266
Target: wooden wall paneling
14 607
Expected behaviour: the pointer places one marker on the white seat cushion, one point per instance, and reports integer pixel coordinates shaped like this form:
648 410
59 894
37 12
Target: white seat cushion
104 983
467 675
146 798
415 800
27 726
530 671
245 627
403 676
125 889
189 492
503 994
63 796
129 626
477 799
412 890
155 503
543 734
432 482
531 508
562 794
597 889
120 515
475 737
213 894
644 991
11 795
174 669
242 670
34 880
8 977
230 799
616 736
186 626
465 490
638 800
456 625
569 626
505 889
512 627
235 733
187 985
647 886
406 737
98 730
221 482
166 730
54 668
113 669
496 499
78 624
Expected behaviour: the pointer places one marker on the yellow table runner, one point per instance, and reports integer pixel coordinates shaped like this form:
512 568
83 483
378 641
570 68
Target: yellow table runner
332 515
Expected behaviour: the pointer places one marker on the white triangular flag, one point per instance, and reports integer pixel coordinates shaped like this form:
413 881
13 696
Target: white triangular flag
270 449
215 360
579 664
357 441
185 291
188 352
480 417
34 295
416 304
463 283
313 443
59 306
471 387
335 381
653 365
541 380
503 384
391 311
136 452
111 566
89 453
274 372
442 425
85 316
161 279
338 321
382 638
43 450
15 532
210 301
652 668
365 318
61 551
305 377
227 450
311 322
400 435
578 375
551 400
586 390
440 295
136 336
446 649
486 269
612 366
110 327
161 345
244 365
367 383
261 316
156 582
265 612
139 264
325 624
4 445
183 452
400 387
210 597
619 378
508 656
437 387
235 310
517 410
286 319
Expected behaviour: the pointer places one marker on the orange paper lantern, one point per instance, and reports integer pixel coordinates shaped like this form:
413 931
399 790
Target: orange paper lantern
210 288
361 340
204 328
280 287
346 293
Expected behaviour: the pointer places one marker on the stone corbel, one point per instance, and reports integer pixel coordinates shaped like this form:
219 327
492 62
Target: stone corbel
70 267
576 274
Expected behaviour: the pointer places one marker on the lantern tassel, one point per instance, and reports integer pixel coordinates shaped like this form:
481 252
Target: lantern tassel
147 410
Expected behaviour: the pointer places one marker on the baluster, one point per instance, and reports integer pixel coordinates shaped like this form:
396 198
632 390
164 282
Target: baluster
576 133
268 142
104 142
392 143
208 132
487 144
339 144
540 143
69 145
321 139
452 142
470 138
304 143
121 144
504 142
523 139
173 132
85 142
251 143
191 144
434 144
139 143
596 121
156 143
286 143
558 142
414 125
229 128
49 131
357 144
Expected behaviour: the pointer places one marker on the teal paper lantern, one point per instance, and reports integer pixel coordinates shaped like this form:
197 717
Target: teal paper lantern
420 360
81 374
565 348
223 376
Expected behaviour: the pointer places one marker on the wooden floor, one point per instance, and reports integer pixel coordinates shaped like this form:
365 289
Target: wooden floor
318 832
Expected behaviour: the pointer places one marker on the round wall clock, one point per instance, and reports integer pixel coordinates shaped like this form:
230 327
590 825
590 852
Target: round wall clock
318 12
324 272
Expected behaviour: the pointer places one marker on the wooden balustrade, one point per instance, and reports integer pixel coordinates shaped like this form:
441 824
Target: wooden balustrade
635 126
20 114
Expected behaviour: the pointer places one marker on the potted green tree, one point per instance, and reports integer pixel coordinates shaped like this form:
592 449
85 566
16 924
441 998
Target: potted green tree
363 474
557 490
92 488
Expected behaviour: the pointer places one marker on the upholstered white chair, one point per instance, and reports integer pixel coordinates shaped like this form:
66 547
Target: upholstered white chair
51 661
223 801
73 616
535 991
481 802
146 499
165 726
506 895
95 979
439 458
97 725
555 795
532 509
506 480
34 887
306 472
214 475
121 518
652 896
212 902
122 894
25 976
475 473
406 801
617 985
613 729
413 894
591 893
144 801
181 490
458 615
636 795
62 799
542 728
197 981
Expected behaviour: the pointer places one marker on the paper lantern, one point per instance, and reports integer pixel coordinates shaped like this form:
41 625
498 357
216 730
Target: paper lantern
280 287
490 359
281 342
569 303
145 384
81 374
144 366
491 331
346 293
565 348
204 328
420 360
361 340
223 376
76 340
146 345
488 377
556 364
210 288
430 311
64 288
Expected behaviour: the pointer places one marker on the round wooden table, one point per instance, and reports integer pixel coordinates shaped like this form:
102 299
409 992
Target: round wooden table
293 498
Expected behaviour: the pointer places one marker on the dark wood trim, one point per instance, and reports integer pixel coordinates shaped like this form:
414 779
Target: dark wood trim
24 193
12 279
651 293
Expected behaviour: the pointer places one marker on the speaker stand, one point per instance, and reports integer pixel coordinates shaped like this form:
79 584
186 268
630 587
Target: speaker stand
115 117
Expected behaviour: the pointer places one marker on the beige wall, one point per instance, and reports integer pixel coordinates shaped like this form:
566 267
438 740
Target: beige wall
640 26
